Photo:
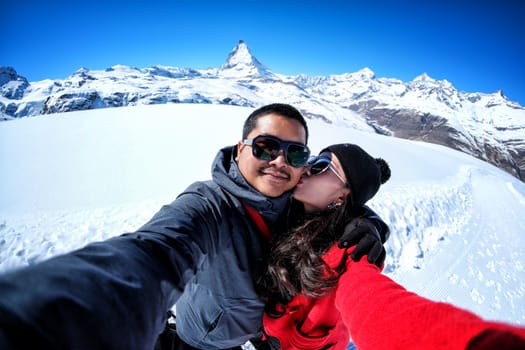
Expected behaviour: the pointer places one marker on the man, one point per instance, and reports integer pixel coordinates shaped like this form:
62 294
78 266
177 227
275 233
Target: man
201 252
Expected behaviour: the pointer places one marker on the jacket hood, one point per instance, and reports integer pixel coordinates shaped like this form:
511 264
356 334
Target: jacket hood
226 173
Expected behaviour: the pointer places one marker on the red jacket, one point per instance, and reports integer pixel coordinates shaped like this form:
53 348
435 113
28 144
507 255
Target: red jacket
381 314
311 323
384 315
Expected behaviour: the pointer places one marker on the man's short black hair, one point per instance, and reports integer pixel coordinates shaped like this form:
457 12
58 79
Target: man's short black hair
282 109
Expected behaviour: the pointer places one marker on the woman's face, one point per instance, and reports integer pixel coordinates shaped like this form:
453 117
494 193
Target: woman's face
318 191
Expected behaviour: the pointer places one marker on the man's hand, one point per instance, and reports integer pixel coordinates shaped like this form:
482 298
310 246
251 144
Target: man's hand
363 232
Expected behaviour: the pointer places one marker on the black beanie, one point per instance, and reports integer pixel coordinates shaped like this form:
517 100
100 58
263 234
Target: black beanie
363 173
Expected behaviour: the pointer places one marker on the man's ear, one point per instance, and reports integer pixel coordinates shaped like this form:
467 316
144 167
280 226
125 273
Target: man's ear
240 144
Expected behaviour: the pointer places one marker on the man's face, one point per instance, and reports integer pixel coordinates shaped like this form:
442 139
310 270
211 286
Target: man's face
271 178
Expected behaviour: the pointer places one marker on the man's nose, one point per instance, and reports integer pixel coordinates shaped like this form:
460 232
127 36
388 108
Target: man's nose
280 161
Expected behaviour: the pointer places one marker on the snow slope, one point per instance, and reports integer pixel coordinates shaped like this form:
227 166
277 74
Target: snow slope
72 178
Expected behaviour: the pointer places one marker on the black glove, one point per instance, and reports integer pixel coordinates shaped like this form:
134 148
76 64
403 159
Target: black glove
363 232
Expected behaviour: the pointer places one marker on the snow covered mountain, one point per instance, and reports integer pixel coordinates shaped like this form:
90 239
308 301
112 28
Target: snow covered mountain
487 126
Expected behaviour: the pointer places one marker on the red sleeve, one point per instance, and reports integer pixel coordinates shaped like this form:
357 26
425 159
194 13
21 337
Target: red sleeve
382 314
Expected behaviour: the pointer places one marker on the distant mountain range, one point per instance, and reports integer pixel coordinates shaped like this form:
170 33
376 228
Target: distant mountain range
487 126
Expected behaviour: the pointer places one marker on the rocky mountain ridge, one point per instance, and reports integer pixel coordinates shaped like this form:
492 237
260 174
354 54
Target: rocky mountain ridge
487 126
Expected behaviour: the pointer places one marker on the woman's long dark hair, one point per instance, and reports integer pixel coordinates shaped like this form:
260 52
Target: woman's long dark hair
295 263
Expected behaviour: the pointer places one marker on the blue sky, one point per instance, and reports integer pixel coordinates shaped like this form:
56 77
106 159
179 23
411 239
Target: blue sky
479 46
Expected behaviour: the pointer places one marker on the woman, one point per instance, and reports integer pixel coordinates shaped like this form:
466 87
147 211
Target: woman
300 283
315 295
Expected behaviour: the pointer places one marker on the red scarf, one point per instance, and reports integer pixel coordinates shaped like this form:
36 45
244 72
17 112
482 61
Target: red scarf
259 221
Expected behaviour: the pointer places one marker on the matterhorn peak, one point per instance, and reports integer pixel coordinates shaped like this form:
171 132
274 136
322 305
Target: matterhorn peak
240 55
241 63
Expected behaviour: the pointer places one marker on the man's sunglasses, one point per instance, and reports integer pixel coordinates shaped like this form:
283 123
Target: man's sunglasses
267 148
319 164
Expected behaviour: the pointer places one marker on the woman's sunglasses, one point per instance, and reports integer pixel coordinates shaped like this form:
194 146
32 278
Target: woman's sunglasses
319 164
267 148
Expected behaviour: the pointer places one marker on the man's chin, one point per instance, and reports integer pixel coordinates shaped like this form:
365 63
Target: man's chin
271 190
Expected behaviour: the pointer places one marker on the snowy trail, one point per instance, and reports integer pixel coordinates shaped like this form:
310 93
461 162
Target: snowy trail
470 240
488 262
